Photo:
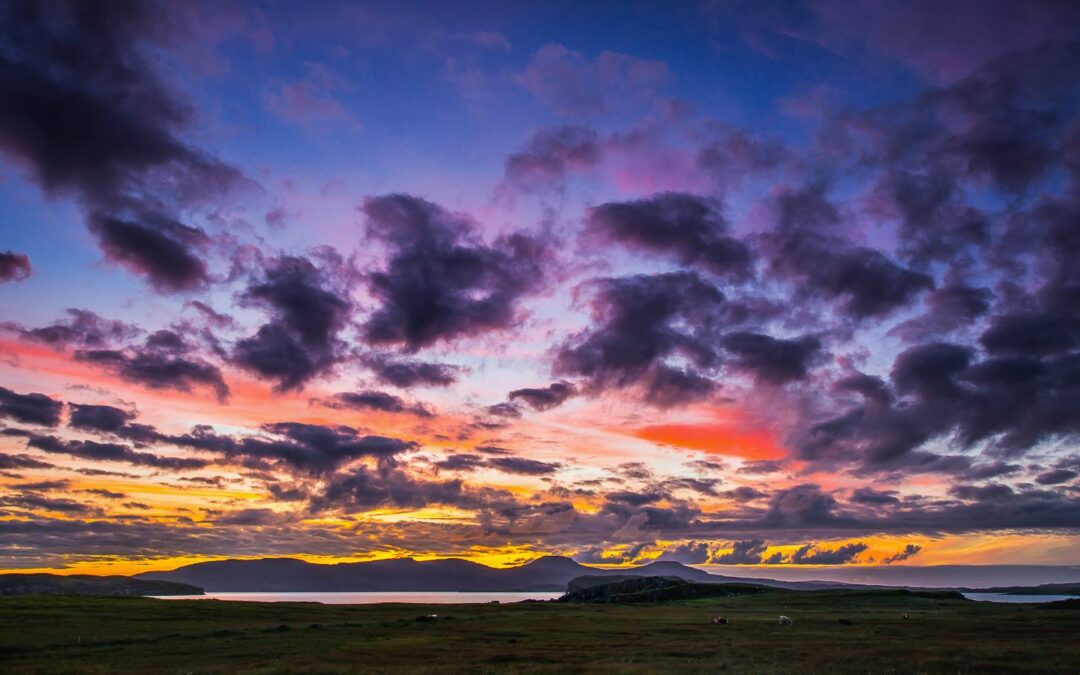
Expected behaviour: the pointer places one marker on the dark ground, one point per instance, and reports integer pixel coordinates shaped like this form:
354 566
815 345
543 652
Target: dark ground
136 635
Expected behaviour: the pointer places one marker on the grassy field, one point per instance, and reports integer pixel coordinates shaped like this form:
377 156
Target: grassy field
135 635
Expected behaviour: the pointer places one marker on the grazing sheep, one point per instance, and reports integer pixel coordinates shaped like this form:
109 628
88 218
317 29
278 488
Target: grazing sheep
845 622
786 621
719 620
905 616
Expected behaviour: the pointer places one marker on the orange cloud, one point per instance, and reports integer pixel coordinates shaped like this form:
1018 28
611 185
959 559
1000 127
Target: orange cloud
722 438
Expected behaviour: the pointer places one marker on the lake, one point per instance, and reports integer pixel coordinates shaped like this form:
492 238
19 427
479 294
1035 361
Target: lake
1007 597
347 598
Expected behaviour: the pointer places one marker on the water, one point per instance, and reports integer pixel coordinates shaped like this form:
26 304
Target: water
1006 597
416 598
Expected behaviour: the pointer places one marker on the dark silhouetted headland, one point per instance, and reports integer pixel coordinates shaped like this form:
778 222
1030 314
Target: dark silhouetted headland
85 584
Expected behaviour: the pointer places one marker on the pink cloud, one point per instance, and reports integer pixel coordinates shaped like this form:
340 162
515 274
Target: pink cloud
572 84
311 102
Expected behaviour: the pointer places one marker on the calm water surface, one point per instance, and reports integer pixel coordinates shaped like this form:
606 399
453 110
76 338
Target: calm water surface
439 598
1006 597
418 598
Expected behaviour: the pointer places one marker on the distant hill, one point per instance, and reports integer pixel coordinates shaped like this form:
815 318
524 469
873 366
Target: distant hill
83 584
550 573
1043 589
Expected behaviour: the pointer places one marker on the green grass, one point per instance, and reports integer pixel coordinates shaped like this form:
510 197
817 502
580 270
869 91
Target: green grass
135 635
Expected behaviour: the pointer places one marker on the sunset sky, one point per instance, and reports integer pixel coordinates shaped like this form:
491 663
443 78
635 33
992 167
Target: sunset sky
726 283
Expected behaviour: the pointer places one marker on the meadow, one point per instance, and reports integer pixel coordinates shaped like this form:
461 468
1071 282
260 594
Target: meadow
142 635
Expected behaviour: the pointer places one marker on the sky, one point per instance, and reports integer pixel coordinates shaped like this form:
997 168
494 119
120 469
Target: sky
767 284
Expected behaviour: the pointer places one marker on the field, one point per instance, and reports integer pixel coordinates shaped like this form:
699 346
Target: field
137 635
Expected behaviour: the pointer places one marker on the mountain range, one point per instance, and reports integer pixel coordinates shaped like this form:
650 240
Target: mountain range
550 573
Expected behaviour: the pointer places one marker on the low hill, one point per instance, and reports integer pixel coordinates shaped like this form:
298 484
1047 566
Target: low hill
85 584
623 589
549 573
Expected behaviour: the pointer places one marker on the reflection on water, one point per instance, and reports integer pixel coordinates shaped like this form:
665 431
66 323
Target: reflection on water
350 598
1006 597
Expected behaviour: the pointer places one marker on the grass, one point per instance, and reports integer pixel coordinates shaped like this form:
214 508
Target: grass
139 635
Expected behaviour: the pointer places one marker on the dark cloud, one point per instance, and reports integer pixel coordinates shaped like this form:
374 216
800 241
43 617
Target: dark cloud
103 418
948 308
32 502
1001 124
164 253
909 551
376 401
107 494
807 248
639 323
158 368
14 266
300 341
114 422
9 462
544 398
872 497
83 328
930 370
635 498
704 486
748 552
688 228
30 408
107 452
463 461
1056 476
308 448
1032 333
253 517
690 553
598 555
505 410
524 466
551 154
165 360
809 555
935 225
364 488
408 374
1012 402
87 113
770 359
744 493
762 466
440 282
866 282
803 506
991 470
44 485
